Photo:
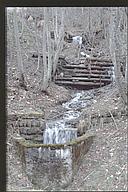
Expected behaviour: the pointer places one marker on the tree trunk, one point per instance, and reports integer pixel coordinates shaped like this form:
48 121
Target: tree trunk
49 49
45 70
19 56
115 53
59 43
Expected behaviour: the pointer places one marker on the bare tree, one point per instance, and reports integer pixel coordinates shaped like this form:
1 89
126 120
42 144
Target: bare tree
50 61
58 41
115 50
45 77
19 55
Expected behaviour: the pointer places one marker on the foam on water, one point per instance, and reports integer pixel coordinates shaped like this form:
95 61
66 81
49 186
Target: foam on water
69 115
60 131
59 135
56 132
73 101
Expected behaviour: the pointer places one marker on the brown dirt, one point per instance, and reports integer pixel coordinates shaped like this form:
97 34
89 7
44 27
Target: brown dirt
104 167
17 179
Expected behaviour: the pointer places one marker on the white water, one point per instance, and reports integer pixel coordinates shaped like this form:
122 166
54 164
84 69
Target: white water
73 101
57 132
60 131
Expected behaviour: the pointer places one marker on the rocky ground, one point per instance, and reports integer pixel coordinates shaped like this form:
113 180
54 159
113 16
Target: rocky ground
104 167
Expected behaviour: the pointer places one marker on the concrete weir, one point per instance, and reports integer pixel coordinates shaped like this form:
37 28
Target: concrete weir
52 151
52 165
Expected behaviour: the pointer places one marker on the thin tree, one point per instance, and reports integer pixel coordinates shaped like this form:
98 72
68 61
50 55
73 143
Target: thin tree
44 83
22 82
115 50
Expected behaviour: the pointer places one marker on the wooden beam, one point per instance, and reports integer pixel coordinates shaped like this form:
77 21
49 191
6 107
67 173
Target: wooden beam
100 59
91 75
79 83
84 67
84 71
82 79
98 64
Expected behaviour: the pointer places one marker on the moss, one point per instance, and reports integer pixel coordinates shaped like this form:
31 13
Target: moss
27 115
32 114
32 144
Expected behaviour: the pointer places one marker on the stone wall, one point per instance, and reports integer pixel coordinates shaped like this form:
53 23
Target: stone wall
29 125
52 165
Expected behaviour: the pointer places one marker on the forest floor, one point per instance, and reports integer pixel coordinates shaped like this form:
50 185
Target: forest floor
50 105
104 167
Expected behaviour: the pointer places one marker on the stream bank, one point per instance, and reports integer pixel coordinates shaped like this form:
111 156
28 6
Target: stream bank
107 157
106 160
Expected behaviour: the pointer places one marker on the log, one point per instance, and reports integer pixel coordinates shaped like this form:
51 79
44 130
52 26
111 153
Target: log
98 64
84 71
79 83
100 59
85 67
91 75
82 79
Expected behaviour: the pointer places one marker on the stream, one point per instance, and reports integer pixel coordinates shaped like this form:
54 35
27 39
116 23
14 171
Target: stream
62 130
55 166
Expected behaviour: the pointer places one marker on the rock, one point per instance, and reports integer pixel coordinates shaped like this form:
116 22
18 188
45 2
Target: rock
34 137
82 126
32 130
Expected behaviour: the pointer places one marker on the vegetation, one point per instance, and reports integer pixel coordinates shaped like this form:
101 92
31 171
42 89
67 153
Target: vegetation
42 31
52 53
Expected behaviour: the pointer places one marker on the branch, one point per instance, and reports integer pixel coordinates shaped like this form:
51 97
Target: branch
113 119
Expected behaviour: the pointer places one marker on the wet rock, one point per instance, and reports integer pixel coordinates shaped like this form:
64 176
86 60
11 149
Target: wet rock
72 123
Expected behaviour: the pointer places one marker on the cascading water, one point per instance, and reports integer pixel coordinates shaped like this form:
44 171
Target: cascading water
53 166
58 134
59 131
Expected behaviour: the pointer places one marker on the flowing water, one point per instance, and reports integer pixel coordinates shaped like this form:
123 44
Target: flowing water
55 166
61 131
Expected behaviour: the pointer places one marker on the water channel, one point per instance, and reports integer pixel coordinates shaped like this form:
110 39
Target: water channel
54 167
61 130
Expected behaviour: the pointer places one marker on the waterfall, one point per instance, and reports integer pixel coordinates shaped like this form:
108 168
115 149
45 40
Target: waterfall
58 134
60 131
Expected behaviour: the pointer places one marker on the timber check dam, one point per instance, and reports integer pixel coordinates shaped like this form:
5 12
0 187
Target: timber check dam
85 74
